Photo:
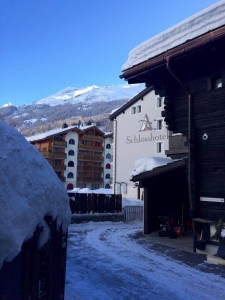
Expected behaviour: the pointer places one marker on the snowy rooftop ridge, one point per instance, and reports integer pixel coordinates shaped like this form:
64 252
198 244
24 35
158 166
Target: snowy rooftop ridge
30 190
52 132
192 27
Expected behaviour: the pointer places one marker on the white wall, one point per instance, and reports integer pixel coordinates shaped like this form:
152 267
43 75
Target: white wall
108 141
136 136
71 135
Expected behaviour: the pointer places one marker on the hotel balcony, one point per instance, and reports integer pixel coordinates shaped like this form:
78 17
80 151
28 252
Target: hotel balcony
60 143
55 155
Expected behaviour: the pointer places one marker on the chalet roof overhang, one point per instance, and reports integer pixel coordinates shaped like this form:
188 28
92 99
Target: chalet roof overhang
162 170
138 73
130 103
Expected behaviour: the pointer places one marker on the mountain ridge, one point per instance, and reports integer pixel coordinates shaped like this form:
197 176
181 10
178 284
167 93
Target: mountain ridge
70 105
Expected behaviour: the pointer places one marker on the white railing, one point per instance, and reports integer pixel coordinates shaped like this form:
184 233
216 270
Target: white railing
133 213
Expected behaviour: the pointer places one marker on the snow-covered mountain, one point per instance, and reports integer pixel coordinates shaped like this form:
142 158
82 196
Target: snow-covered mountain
92 94
70 105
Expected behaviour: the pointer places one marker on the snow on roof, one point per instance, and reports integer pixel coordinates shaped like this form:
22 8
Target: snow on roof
148 164
46 134
30 190
192 27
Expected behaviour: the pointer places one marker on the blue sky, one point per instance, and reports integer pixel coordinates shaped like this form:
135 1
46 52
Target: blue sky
47 45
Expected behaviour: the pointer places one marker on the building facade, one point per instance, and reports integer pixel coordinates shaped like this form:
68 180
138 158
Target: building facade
188 68
139 131
77 154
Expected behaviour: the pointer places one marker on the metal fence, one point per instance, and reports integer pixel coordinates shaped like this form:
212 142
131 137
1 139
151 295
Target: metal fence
133 213
95 203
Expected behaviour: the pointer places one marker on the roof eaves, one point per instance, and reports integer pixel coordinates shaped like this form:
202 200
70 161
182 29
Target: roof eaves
130 102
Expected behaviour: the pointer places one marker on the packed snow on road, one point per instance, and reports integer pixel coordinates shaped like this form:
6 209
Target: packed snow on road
106 262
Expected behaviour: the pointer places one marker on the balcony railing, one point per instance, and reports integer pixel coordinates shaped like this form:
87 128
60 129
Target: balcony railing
58 168
60 143
50 154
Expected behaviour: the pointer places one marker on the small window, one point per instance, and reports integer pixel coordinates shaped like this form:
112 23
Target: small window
72 142
108 166
159 147
133 110
70 175
108 146
107 186
71 164
138 109
118 188
71 152
124 186
159 124
69 186
108 156
159 102
107 176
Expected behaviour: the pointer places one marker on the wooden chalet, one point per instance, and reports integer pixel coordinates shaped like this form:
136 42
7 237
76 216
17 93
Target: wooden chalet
186 65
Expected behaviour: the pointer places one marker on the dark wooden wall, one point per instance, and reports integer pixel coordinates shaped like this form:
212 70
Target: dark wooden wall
197 72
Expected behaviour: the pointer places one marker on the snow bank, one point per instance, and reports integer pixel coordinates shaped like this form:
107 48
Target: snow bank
149 163
192 27
30 189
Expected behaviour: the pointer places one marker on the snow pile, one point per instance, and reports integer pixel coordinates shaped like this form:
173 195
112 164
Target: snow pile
30 190
148 164
132 202
192 27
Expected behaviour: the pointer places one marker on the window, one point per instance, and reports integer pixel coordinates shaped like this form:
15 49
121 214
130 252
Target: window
71 152
71 142
124 187
57 162
108 166
69 186
108 156
159 147
136 109
118 187
70 175
159 102
107 176
107 186
58 138
159 124
108 146
71 164
133 110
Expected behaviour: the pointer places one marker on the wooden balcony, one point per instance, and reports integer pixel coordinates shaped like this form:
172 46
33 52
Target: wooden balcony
91 147
93 137
55 155
60 143
57 168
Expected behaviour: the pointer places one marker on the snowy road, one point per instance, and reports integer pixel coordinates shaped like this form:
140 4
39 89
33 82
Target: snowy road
104 262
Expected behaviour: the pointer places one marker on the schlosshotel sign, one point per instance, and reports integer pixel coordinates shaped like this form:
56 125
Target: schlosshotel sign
150 138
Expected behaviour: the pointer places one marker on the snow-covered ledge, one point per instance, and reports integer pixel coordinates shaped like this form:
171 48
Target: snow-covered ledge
29 191
148 164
